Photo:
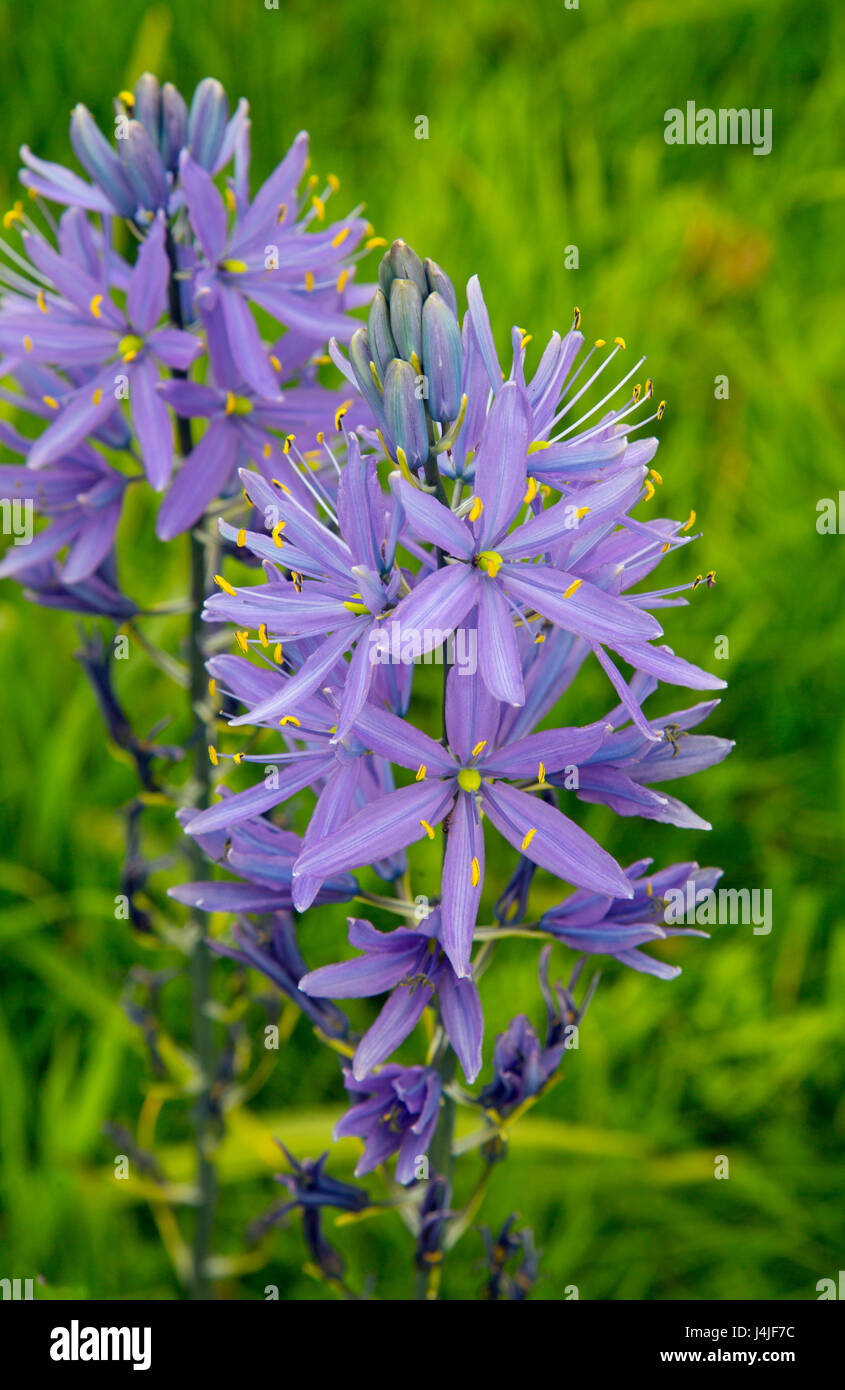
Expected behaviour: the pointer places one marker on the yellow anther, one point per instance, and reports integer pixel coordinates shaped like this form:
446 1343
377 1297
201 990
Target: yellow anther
41 302
635 394
482 743
529 837
234 267
573 588
275 363
539 639
231 403
97 395
545 490
576 320
212 686
291 438
357 609
582 512
689 522
429 829
312 179
277 533
224 585
238 758
653 473
649 490
341 281
600 342
51 402
373 242
665 548
476 509
277 653
661 410
333 181
538 445
309 280
340 412
267 451
290 719
469 779
475 872
319 207
262 635
490 562
649 388
531 490
94 306
620 342
320 437
27 342
541 774
242 537
15 214
242 639
127 98
341 236
421 770
526 339
230 198
212 755
282 213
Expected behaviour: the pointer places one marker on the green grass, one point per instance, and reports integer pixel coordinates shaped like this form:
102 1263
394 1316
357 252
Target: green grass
546 130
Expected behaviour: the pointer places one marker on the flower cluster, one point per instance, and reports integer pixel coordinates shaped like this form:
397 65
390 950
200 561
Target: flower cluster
479 510
112 356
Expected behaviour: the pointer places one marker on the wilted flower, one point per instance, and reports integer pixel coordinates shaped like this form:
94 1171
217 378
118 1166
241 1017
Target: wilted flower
397 1114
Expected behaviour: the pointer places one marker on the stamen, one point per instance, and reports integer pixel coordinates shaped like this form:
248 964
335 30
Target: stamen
225 585
476 872
341 237
262 635
482 743
212 755
429 830
541 773
421 770
476 509
309 280
242 636
573 588
290 719
241 538
689 522
529 837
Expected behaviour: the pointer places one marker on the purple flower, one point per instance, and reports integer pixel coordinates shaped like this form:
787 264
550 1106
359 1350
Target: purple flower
409 963
263 857
396 1115
471 775
276 954
617 927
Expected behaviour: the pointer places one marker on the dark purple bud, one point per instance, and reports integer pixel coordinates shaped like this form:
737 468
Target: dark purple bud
382 344
439 283
174 125
442 358
404 410
406 319
147 107
207 121
99 160
144 166
360 357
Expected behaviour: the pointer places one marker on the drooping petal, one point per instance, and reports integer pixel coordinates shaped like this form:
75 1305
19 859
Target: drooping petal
463 1019
463 876
384 826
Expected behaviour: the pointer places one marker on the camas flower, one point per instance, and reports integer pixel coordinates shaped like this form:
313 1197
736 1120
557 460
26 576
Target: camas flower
470 775
618 927
397 1113
409 963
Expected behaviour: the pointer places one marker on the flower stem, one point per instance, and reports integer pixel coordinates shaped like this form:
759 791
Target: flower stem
200 961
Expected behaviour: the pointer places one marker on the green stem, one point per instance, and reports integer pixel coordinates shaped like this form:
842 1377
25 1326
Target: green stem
200 961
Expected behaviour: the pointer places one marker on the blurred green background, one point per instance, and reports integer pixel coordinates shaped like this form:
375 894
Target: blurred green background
545 131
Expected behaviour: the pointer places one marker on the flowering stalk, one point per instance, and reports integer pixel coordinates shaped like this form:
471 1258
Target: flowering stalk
536 571
83 331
